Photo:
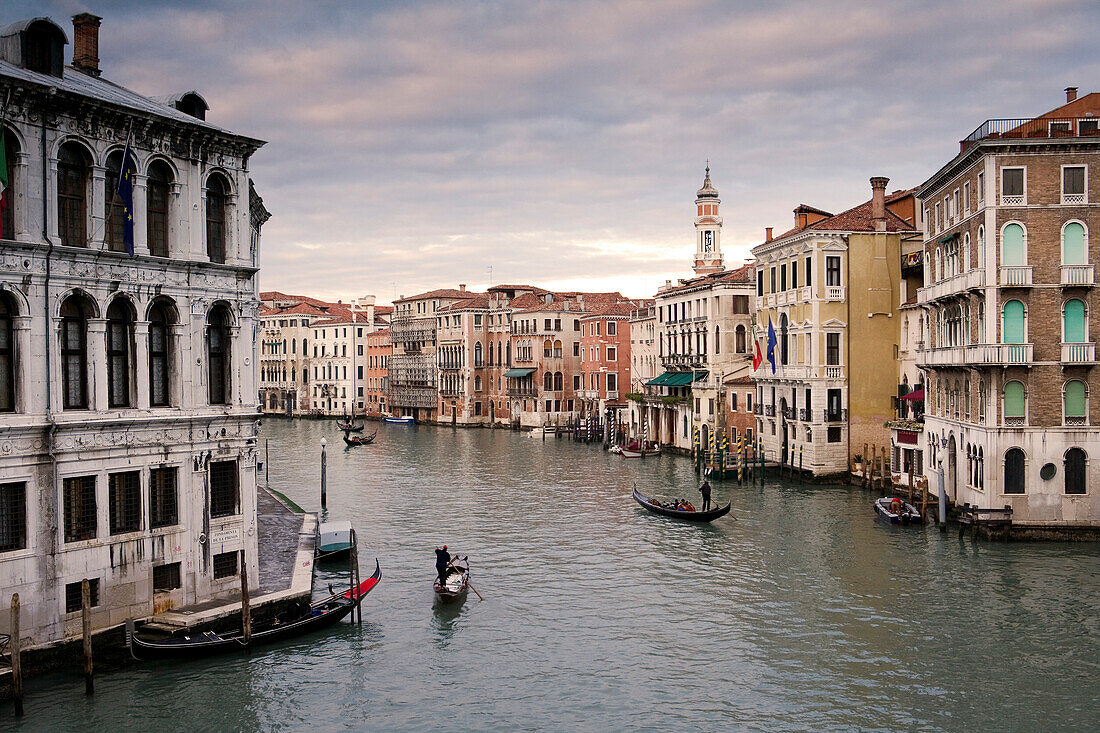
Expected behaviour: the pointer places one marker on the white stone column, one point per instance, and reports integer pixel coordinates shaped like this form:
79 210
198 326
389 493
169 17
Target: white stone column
141 210
178 226
97 232
51 195
237 370
22 200
232 229
180 359
97 364
141 363
28 398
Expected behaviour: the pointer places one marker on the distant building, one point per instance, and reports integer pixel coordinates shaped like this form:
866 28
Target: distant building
413 375
1010 284
644 366
376 383
127 382
829 290
604 377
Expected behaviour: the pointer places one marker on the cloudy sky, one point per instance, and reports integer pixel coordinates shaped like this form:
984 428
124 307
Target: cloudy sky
415 145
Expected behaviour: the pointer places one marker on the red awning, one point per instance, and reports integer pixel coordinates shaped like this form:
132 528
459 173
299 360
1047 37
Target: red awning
916 395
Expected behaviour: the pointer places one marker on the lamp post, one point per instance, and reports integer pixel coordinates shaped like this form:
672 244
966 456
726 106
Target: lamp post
324 471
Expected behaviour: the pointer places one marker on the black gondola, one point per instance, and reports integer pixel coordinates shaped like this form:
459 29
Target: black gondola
348 427
320 614
690 516
457 582
359 440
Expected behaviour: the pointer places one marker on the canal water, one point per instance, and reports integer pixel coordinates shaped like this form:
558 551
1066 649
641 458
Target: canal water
800 611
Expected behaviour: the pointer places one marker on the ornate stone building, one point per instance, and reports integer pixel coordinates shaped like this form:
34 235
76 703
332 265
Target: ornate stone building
127 382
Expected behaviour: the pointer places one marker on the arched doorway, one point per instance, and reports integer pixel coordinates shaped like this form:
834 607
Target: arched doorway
952 468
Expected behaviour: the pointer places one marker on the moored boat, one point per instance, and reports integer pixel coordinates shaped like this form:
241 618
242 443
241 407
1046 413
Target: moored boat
457 582
359 440
403 420
348 427
680 510
320 614
896 511
636 450
334 540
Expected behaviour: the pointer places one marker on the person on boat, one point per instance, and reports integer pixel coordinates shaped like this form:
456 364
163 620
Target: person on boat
442 562
895 506
705 491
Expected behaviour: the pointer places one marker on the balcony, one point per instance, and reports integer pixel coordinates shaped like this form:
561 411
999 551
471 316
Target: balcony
1035 127
955 285
522 392
1077 275
1071 421
835 415
1016 276
986 354
805 293
769 410
1013 200
1015 422
805 414
689 360
791 371
1078 353
758 409
834 372
612 394
834 292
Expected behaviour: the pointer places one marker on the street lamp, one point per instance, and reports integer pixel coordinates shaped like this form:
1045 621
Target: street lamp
324 467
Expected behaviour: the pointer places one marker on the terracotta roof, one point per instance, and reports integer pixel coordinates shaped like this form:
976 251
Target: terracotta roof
858 219
480 300
441 293
359 317
265 311
304 309
739 380
621 308
276 295
742 274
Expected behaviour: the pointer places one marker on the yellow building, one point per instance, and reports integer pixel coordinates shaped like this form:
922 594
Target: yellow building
829 288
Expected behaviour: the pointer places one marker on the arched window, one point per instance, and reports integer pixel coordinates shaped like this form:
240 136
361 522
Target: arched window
72 195
74 353
1073 244
216 190
1015 401
477 354
7 355
717 341
120 323
739 343
114 215
218 357
1075 402
1073 322
547 348
156 208
1014 331
160 317
966 399
1014 471
499 353
558 381
1074 472
7 199
981 246
1012 246
966 252
477 383
557 349
981 400
548 381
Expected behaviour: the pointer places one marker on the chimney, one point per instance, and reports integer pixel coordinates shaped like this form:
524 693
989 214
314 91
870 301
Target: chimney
767 234
878 202
1071 94
86 43
462 287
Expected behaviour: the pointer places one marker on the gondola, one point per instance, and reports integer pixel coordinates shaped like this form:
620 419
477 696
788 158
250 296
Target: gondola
896 511
457 582
348 427
359 440
690 516
320 614
404 420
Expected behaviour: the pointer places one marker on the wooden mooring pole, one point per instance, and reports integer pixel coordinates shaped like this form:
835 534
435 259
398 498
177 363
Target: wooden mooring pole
16 664
86 619
354 573
246 606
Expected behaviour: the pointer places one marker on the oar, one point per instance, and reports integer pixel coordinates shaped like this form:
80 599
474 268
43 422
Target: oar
468 583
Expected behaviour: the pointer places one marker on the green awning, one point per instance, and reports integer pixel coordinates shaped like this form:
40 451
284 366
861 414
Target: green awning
948 238
518 373
677 379
661 380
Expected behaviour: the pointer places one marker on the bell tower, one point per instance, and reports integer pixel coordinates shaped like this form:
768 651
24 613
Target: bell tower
708 230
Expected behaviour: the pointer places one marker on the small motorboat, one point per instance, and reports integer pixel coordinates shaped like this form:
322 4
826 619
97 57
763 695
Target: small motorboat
457 582
615 449
896 511
680 509
349 427
403 420
635 450
318 614
358 439
334 540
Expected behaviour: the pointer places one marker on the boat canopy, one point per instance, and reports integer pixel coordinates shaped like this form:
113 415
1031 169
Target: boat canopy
519 373
677 379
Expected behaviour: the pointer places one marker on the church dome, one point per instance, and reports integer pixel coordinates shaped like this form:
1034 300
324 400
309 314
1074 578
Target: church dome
708 191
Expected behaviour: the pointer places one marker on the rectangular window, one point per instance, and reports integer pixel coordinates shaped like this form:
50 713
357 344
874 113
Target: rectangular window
710 406
225 564
833 433
74 595
809 272
611 353
612 382
224 497
733 401
740 304
477 320
832 271
966 197
771 281
124 501
832 349
13 516
163 502
612 328
1012 186
577 349
794 274
1073 184
80 510
760 283
576 381
937 221
981 186
748 401
166 577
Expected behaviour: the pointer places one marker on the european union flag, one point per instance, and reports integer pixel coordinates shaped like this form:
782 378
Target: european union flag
771 344
125 192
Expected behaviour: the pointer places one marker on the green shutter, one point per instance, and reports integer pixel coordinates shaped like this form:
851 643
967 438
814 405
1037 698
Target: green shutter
1073 245
1014 399
1012 246
1074 322
1075 399
1014 323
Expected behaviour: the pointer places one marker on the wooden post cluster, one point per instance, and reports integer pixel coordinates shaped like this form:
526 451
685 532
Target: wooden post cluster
16 664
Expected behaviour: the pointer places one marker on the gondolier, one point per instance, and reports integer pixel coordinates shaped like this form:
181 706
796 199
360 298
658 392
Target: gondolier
705 491
442 562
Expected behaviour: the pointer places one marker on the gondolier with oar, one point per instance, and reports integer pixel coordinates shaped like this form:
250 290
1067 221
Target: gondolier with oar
442 563
705 491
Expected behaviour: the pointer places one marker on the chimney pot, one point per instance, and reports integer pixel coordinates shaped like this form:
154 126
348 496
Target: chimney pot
86 43
878 202
462 287
1071 94
767 234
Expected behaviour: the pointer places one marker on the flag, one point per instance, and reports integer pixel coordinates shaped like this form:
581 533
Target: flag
125 192
757 357
771 344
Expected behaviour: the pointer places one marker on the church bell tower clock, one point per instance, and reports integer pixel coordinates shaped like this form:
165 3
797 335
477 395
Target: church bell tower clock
708 230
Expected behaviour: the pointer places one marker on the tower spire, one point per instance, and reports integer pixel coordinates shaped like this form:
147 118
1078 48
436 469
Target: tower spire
708 229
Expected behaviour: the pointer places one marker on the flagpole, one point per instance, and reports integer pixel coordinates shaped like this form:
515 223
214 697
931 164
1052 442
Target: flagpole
122 170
